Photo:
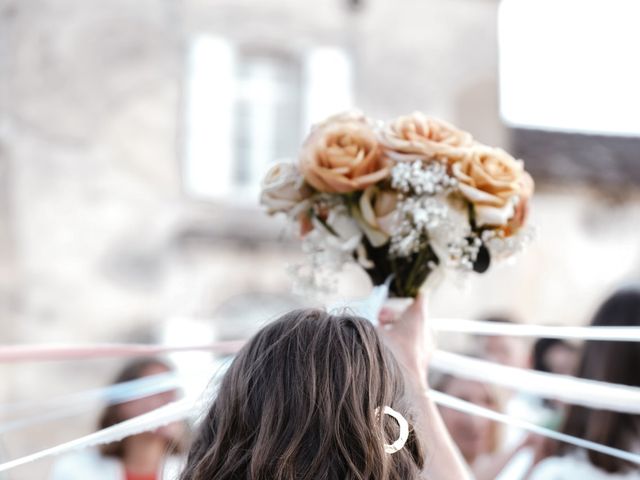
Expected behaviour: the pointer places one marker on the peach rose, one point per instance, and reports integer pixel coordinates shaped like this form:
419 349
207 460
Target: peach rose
377 215
419 136
283 188
521 212
342 155
492 181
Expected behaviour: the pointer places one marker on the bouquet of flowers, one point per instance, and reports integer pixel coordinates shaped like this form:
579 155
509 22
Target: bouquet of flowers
401 199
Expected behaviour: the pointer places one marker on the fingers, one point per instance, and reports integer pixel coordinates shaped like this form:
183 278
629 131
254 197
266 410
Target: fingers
415 313
387 316
411 320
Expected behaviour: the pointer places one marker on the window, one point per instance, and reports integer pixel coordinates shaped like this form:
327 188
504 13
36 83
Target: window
267 114
248 107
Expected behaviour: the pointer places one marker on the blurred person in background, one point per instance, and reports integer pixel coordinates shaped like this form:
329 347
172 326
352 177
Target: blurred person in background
480 439
553 355
505 350
146 456
613 362
512 352
517 449
477 438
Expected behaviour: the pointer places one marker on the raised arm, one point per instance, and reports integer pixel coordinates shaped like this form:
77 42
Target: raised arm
408 336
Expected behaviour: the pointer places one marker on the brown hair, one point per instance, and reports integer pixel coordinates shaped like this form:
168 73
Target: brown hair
615 362
299 402
133 370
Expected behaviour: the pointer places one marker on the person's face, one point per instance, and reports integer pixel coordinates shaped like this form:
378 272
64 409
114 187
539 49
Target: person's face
561 360
168 433
506 351
140 406
472 434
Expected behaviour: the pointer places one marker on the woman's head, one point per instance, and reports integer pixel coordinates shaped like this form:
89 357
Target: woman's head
614 362
300 401
472 434
113 414
554 355
505 350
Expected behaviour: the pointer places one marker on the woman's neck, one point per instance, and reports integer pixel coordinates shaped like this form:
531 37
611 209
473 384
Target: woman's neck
144 453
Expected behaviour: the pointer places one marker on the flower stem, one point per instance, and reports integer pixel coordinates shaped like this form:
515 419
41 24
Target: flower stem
410 288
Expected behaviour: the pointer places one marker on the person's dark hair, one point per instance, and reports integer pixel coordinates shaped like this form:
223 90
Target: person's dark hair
499 319
299 402
133 370
542 347
615 362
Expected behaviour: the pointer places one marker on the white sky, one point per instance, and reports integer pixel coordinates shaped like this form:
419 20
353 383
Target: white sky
571 65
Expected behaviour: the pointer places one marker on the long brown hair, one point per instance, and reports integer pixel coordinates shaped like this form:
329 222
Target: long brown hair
615 362
299 402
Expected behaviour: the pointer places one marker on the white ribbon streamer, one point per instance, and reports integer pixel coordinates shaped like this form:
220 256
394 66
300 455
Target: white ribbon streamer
368 307
188 407
466 407
162 416
476 327
564 388
46 352
577 391
113 393
70 405
588 393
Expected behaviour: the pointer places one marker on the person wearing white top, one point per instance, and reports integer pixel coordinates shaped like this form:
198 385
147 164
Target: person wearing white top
577 466
145 456
613 362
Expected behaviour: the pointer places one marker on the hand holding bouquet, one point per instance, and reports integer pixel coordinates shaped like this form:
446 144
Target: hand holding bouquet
402 199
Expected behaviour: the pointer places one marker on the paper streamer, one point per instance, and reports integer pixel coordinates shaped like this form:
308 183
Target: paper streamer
564 388
472 409
29 353
119 392
577 391
70 405
162 416
567 389
188 407
110 394
368 307
476 327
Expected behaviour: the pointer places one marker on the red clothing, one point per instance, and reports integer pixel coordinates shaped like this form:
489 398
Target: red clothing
136 476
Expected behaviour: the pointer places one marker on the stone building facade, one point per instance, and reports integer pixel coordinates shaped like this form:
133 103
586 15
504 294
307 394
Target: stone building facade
101 241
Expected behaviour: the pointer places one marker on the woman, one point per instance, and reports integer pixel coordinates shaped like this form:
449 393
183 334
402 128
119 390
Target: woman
139 457
477 438
554 355
614 362
319 396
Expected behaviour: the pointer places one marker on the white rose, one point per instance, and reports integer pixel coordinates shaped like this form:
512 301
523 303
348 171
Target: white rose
340 230
378 215
283 188
452 229
491 216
